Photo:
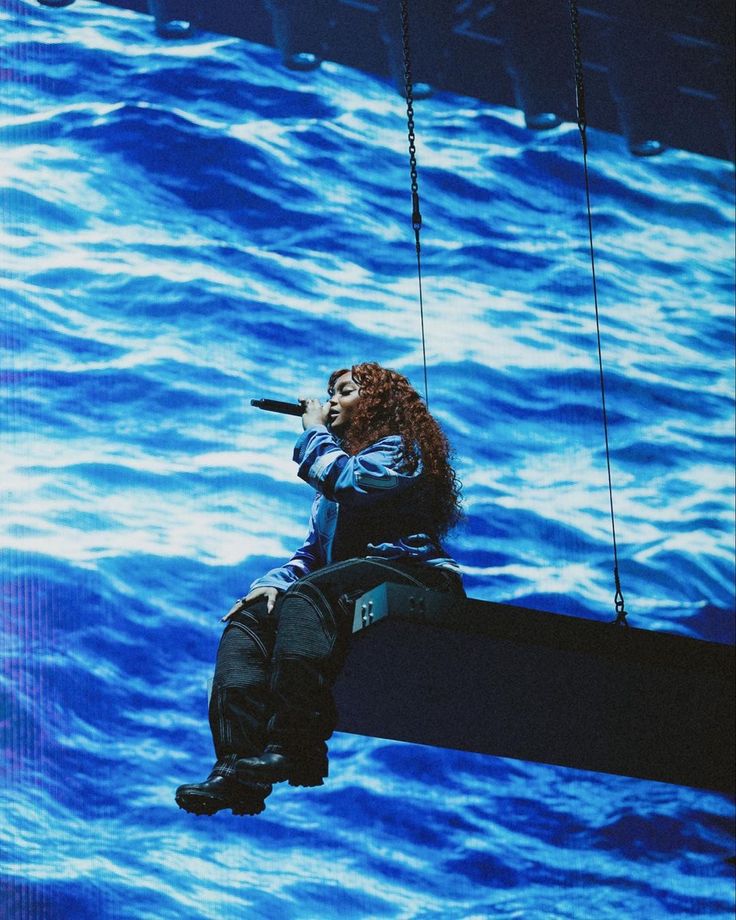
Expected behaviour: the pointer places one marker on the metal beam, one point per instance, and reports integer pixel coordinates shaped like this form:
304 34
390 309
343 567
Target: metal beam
513 682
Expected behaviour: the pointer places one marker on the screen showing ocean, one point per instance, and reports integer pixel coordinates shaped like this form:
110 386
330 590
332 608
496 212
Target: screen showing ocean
187 225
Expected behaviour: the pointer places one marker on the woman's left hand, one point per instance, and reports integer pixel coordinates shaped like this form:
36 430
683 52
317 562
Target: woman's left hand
269 593
315 413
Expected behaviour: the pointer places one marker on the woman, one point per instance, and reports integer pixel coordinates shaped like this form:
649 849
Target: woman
385 495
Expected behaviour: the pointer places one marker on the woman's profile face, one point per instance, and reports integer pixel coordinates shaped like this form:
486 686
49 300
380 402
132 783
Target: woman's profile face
344 396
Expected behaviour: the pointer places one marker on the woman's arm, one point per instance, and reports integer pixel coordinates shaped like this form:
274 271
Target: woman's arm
306 559
374 472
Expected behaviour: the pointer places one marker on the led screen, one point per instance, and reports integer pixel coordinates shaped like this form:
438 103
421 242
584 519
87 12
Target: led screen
188 226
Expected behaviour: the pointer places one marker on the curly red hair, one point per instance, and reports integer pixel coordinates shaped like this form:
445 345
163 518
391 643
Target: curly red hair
389 404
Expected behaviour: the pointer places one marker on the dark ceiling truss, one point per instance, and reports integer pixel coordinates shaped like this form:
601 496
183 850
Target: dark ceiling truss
658 72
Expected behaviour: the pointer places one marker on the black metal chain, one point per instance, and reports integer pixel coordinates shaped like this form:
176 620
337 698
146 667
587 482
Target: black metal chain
416 217
582 125
579 82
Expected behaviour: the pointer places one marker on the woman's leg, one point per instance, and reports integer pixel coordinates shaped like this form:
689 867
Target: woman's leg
238 711
239 703
312 641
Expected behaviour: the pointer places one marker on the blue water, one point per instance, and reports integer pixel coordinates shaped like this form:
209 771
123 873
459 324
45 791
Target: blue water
186 226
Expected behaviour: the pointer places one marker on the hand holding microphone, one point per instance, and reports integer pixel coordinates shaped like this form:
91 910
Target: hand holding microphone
315 413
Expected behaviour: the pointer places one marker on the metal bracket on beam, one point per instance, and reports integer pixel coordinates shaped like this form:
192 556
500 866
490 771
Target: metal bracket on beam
423 603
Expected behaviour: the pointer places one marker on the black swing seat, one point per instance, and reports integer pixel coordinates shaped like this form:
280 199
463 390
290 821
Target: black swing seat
504 680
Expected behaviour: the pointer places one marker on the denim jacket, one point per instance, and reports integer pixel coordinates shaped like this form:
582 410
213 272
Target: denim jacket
366 505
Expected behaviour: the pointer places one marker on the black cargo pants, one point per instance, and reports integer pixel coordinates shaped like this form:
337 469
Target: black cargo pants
274 672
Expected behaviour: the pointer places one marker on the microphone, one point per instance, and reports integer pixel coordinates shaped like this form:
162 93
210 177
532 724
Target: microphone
273 405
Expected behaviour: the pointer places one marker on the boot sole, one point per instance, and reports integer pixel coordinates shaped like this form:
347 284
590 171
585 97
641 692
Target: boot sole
299 778
199 803
306 783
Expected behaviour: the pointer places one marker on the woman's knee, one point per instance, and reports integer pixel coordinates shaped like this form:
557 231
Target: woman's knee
307 624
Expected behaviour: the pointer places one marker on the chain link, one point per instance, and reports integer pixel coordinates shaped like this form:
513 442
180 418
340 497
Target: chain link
416 218
579 81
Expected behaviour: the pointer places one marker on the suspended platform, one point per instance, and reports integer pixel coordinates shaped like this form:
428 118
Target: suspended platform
513 682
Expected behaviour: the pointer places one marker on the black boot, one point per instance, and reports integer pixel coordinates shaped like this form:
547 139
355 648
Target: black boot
307 767
218 792
303 718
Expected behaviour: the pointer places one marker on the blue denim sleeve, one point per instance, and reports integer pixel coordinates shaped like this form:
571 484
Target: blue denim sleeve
306 559
352 480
